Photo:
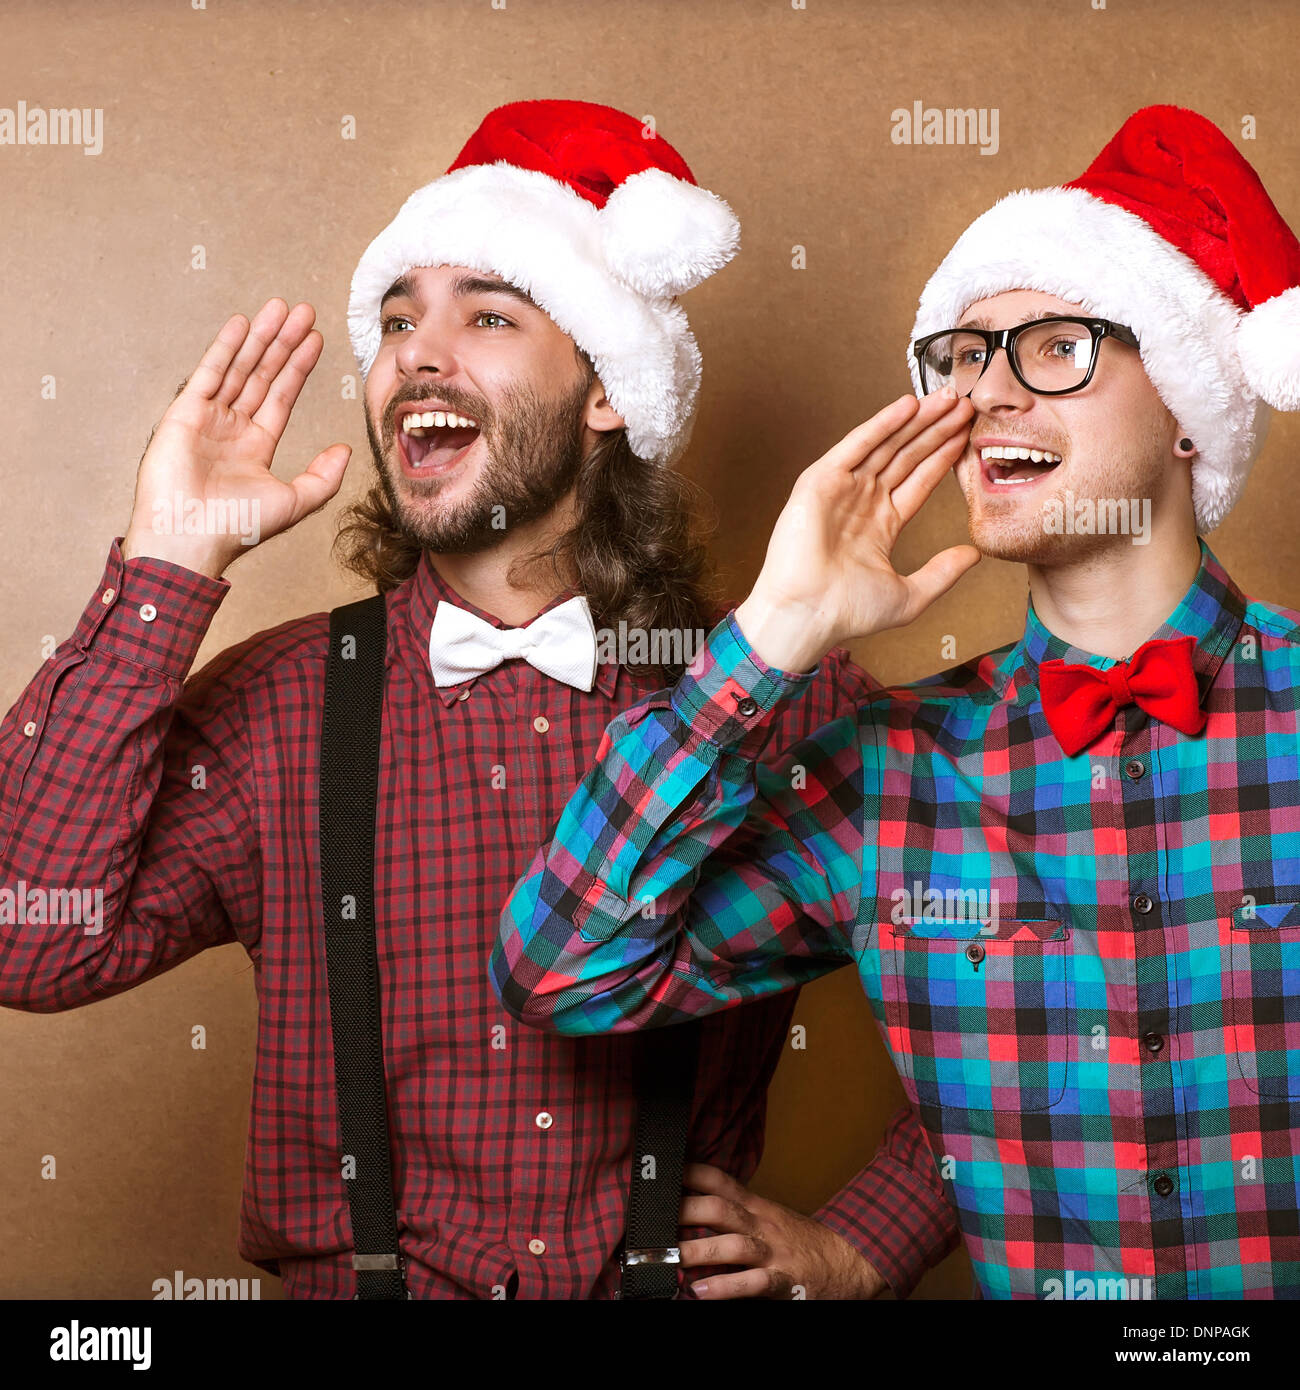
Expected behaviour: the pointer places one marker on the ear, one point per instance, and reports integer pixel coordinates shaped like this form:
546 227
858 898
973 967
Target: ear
598 414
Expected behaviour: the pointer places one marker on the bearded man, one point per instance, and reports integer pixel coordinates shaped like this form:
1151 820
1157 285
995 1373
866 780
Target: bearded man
530 378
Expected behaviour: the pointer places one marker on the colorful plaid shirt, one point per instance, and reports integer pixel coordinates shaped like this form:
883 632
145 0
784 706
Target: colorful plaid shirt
193 806
1087 969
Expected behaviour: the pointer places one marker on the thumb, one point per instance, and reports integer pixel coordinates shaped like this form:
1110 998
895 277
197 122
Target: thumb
320 480
936 577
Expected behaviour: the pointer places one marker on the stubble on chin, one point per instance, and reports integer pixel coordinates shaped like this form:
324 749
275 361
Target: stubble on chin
1016 530
531 457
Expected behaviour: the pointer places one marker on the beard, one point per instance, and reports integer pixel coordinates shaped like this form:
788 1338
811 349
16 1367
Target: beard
1015 529
533 451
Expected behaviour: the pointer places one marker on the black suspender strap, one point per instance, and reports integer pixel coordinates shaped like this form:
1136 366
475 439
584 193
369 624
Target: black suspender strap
666 1090
349 777
349 781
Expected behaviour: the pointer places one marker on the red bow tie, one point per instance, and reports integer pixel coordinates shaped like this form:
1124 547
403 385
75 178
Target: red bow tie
1080 702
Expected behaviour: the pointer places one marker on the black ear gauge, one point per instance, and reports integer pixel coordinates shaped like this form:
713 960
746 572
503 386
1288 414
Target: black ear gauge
1186 445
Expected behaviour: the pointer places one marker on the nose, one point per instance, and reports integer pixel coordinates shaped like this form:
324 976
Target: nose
426 349
998 387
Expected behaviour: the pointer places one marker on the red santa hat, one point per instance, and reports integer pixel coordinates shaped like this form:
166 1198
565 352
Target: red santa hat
600 221
1171 233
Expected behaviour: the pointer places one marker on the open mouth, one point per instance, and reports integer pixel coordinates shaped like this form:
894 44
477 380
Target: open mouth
434 440
1012 465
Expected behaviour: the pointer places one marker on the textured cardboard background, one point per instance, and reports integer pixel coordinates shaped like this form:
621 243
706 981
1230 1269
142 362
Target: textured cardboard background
222 128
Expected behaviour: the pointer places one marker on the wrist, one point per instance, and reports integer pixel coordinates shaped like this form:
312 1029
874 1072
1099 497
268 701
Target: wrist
857 1277
176 550
870 1281
785 635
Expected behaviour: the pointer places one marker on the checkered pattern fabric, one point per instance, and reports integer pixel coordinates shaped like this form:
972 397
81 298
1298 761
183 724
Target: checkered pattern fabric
193 805
1087 968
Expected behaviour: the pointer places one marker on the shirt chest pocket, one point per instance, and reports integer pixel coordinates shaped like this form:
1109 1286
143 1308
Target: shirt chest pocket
1263 997
979 1017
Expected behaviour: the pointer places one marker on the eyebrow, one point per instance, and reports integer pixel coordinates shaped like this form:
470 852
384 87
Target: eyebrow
463 286
1026 318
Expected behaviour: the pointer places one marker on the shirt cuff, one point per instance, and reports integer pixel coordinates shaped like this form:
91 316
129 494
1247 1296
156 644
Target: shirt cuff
728 693
153 612
897 1223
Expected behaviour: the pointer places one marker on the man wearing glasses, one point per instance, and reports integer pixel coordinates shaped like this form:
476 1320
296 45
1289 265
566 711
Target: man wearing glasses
1068 871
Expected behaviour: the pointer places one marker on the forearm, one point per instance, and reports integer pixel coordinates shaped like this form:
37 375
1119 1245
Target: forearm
80 762
682 878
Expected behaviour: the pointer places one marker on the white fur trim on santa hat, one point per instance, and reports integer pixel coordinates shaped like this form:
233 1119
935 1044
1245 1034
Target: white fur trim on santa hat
1066 243
538 234
1269 343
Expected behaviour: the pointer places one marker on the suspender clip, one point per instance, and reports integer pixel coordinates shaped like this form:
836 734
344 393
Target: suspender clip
654 1255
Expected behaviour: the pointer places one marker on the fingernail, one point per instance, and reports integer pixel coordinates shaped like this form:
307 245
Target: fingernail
698 1289
949 393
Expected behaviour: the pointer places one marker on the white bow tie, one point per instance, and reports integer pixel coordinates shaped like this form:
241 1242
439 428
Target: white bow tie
561 643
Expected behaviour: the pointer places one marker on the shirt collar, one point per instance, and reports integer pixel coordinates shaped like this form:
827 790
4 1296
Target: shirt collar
428 589
1211 611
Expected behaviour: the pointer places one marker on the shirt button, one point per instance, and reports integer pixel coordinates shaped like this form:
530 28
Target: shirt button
148 612
464 694
107 597
1134 768
1163 1185
541 723
544 1120
29 728
1142 904
1153 1042
975 953
746 707
536 1247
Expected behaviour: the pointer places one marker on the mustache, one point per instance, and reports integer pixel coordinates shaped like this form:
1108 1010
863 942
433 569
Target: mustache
981 425
462 402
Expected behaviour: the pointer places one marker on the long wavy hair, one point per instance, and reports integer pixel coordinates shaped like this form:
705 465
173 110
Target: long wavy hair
637 548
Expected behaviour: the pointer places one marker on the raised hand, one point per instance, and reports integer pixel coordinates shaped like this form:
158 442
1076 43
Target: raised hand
214 445
828 576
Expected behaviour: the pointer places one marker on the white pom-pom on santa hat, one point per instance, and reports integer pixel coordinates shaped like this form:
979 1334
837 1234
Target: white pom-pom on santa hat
1269 343
663 236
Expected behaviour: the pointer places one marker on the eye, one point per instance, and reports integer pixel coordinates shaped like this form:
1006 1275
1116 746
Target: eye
501 320
386 325
1063 349
964 351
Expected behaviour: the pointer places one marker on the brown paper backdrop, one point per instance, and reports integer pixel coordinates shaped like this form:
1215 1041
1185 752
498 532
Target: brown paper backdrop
222 128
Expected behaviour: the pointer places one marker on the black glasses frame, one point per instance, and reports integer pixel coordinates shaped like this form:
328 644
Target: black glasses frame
1005 338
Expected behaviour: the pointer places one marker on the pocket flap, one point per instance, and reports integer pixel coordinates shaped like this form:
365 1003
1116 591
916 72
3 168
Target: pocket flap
1000 929
1253 916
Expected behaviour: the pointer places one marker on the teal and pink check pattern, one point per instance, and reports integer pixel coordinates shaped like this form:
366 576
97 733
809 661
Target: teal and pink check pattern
1086 969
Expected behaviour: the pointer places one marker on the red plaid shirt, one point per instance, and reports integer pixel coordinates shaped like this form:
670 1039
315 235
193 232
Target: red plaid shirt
193 806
